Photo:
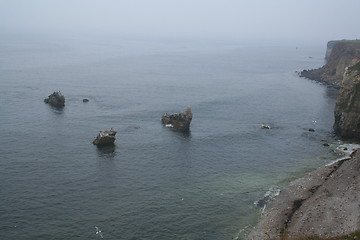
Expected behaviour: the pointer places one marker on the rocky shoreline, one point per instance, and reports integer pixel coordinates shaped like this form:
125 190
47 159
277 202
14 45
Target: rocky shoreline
325 203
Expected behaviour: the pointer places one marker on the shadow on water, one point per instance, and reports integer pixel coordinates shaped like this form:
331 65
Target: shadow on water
57 110
106 151
332 92
185 134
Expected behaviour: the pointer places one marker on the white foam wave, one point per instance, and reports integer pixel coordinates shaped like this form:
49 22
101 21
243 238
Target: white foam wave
346 150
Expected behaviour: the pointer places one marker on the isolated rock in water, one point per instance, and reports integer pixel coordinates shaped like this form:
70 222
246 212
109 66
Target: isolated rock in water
105 138
265 127
180 121
85 100
347 109
56 99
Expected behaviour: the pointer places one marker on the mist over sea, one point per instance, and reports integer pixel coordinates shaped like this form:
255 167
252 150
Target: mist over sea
155 183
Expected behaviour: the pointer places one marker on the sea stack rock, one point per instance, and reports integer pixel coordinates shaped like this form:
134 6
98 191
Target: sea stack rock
179 121
347 109
56 99
105 138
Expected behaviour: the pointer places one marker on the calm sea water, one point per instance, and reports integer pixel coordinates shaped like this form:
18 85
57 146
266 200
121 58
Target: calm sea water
155 183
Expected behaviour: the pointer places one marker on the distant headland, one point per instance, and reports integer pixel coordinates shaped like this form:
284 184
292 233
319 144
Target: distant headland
339 55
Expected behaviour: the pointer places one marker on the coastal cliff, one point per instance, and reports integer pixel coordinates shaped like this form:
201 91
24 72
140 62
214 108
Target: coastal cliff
325 203
339 55
347 109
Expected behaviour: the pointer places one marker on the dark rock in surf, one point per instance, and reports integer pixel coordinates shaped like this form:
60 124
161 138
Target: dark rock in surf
179 121
85 100
55 99
105 138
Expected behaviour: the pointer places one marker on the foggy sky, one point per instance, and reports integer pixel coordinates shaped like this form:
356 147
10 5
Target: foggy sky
230 19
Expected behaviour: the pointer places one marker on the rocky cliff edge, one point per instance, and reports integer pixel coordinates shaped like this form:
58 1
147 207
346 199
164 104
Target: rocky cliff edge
325 203
347 109
340 54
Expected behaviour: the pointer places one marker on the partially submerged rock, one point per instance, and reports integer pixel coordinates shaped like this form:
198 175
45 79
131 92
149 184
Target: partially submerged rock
265 126
105 138
179 121
55 99
85 100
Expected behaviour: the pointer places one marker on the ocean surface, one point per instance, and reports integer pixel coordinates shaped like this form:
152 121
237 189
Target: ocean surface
155 183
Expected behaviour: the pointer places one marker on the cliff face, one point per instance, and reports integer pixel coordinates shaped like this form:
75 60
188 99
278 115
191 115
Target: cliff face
329 48
347 109
340 54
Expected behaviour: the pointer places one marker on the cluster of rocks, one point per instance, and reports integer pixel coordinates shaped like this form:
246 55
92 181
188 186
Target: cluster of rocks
56 99
106 137
179 121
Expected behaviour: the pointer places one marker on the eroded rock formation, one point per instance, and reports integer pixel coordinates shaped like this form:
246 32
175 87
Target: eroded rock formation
105 138
339 54
347 109
179 121
55 99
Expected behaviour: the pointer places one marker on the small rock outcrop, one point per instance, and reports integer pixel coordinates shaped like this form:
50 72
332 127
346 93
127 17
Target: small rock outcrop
179 121
265 126
105 138
347 109
85 100
339 55
55 99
